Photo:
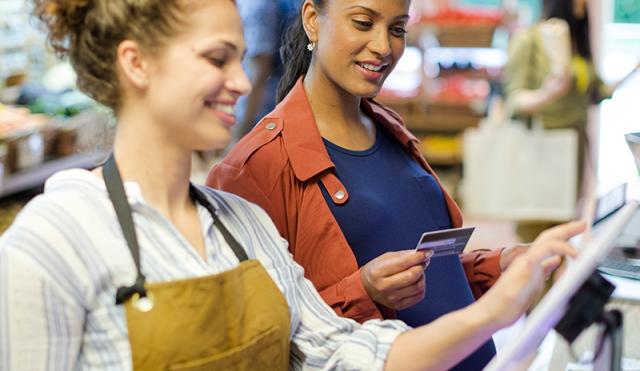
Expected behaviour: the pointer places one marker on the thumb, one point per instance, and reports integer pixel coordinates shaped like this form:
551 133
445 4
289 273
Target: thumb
400 261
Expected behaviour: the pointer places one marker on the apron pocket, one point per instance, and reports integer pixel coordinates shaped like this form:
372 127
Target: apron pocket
261 353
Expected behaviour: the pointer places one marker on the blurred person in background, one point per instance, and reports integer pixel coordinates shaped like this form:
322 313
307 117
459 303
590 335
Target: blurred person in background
345 182
130 266
558 98
265 21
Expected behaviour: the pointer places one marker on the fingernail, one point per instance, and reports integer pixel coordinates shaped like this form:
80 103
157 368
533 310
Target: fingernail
428 254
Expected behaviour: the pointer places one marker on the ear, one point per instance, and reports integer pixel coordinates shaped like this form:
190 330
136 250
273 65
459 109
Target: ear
310 20
132 64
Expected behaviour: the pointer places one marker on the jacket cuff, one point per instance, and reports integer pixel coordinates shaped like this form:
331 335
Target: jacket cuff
482 268
348 298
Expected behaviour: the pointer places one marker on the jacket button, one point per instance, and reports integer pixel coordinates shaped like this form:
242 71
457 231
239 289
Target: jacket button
339 195
270 126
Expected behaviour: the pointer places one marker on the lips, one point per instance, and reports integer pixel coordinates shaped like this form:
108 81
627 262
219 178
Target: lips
225 111
372 70
371 67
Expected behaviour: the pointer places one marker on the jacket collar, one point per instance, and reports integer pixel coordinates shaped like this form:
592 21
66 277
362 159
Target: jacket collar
307 153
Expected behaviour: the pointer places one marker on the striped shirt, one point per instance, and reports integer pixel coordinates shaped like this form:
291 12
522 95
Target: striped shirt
64 257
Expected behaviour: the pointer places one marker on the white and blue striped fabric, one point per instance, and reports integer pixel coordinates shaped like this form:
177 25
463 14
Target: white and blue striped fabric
64 257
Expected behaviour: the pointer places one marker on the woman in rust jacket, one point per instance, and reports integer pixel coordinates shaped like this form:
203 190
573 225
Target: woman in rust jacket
281 165
345 182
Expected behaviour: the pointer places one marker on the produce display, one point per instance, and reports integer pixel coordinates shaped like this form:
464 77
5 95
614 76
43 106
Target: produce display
28 139
463 27
453 16
457 89
17 119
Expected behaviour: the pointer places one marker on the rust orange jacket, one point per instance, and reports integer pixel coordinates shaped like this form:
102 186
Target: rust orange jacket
279 166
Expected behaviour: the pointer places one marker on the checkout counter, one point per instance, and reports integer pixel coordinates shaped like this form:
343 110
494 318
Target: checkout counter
580 297
626 298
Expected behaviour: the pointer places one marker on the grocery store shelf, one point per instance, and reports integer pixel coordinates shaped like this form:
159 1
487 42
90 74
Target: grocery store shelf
442 150
470 73
453 123
446 162
36 177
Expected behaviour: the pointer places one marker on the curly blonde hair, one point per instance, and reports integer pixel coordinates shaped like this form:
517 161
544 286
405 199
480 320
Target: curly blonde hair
89 32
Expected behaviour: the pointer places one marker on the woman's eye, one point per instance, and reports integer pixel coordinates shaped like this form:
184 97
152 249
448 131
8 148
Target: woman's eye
217 60
398 31
363 24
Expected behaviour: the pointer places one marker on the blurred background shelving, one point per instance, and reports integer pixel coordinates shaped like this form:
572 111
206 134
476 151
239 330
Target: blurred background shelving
443 83
46 124
453 66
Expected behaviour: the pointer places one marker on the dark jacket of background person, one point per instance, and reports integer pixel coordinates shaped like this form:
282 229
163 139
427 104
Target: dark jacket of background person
264 24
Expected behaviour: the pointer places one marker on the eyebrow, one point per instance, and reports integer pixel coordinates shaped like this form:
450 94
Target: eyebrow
375 13
225 43
231 45
234 47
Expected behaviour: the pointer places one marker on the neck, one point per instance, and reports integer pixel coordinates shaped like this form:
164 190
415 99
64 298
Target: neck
337 112
329 102
147 156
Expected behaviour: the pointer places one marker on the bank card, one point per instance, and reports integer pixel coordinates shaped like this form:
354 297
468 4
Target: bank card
445 242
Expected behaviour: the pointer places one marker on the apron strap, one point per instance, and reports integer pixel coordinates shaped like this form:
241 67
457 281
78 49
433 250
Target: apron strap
197 195
118 196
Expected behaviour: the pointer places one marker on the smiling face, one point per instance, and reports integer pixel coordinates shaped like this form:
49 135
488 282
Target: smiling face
358 42
197 77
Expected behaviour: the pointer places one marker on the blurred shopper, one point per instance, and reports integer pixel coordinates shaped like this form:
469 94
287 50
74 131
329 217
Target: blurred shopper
559 97
345 181
132 267
265 22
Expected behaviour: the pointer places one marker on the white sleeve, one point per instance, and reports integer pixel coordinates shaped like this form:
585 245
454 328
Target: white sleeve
41 310
321 340
324 341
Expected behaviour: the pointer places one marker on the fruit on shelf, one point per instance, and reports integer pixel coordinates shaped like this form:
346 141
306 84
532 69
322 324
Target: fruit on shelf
463 27
464 17
457 89
14 119
442 149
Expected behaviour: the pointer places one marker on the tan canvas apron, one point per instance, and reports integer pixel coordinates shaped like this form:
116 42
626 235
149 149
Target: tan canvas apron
236 320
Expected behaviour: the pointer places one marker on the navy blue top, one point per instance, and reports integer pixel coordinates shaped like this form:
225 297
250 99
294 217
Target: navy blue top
392 201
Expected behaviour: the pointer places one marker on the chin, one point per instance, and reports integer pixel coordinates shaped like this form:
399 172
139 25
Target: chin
212 143
372 94
218 145
368 93
366 90
219 136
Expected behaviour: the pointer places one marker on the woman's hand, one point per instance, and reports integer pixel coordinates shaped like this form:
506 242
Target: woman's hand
556 86
530 102
509 254
396 279
443 343
516 289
